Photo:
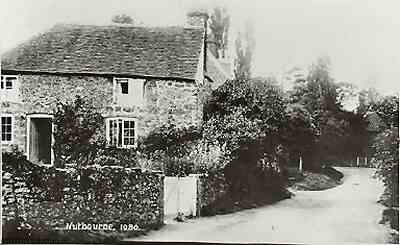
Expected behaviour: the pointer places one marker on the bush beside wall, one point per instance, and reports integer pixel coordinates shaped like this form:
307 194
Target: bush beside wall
212 188
39 200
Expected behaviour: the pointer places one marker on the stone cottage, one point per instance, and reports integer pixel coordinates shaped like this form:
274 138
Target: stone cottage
138 77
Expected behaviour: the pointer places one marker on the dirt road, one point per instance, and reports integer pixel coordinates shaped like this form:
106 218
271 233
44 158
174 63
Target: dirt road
348 213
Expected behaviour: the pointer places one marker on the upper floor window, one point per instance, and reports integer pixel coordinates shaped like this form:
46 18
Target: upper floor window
6 126
121 132
128 91
8 88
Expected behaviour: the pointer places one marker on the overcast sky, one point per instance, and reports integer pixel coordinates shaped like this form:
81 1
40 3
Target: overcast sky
361 37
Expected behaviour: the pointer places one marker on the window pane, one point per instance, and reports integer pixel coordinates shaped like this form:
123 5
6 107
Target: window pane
129 132
6 128
113 132
126 132
119 132
10 81
126 124
122 132
9 85
124 87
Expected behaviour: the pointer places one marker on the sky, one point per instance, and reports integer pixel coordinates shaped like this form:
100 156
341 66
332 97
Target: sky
361 37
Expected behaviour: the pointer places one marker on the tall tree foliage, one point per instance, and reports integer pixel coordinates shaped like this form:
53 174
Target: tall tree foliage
299 133
245 45
246 116
318 92
386 148
219 27
387 109
322 97
366 98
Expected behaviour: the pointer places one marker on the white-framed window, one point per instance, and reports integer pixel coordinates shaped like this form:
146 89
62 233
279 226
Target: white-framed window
121 132
9 87
128 91
7 128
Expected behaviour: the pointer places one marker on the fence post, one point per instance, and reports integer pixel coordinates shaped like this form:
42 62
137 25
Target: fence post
300 164
358 161
197 203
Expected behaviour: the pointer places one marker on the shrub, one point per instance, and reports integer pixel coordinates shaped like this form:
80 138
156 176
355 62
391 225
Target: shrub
79 138
245 118
15 162
170 146
208 156
386 158
77 133
113 156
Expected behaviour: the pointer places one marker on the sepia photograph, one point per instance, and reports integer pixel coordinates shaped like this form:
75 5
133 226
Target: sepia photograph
209 121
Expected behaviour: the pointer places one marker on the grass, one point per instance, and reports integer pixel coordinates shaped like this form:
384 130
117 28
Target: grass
311 181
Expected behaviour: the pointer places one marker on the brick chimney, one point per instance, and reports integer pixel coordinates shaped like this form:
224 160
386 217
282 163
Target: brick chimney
197 18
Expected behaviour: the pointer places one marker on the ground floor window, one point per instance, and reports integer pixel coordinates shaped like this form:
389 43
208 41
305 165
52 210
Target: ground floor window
6 126
121 132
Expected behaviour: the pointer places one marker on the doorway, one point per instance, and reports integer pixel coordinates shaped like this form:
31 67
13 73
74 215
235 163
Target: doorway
40 139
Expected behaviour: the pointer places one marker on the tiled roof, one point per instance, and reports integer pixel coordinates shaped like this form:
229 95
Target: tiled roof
128 50
216 71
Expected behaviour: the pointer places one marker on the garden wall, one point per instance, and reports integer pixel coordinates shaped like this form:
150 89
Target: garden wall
47 199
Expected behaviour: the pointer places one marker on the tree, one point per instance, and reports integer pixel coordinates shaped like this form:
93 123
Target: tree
246 116
387 109
366 98
299 133
219 27
245 45
385 149
122 19
386 157
323 97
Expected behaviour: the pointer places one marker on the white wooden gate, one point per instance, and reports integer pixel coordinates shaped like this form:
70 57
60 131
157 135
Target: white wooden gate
180 196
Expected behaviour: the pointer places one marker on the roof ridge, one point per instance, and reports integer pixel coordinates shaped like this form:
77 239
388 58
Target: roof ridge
63 26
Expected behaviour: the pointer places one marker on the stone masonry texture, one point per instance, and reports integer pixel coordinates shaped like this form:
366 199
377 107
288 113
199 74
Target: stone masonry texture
176 100
49 198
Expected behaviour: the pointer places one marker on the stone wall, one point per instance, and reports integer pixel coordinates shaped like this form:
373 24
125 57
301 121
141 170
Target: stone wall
42 199
164 99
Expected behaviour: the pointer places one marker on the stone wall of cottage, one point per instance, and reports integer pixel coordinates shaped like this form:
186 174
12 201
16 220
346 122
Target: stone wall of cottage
164 100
